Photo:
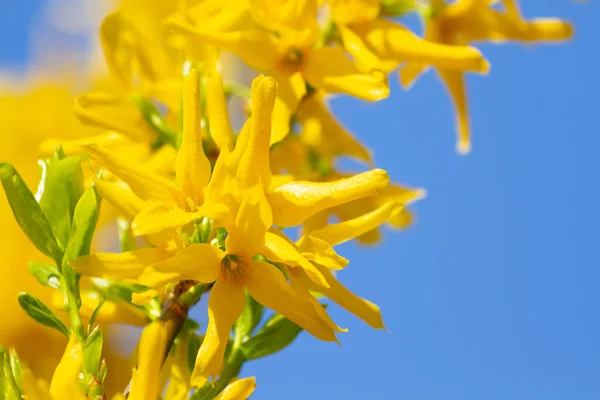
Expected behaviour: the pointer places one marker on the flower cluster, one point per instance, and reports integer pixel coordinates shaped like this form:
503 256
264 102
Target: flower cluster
246 218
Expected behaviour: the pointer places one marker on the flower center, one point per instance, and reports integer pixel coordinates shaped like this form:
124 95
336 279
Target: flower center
292 60
233 266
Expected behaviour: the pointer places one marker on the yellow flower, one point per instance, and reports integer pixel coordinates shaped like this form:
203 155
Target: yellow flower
383 44
65 381
465 21
145 382
286 48
240 389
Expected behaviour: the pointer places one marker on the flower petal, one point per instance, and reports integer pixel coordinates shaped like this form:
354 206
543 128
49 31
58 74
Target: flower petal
337 292
295 202
290 90
199 261
254 164
346 12
151 353
225 304
120 196
128 265
240 389
253 220
455 83
341 232
159 218
268 286
320 252
192 167
279 248
145 185
216 110
329 69
64 383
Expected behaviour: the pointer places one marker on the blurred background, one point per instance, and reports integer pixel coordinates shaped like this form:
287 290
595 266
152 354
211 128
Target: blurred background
491 294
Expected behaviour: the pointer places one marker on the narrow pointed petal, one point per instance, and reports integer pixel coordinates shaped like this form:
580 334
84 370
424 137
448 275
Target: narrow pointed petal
305 294
240 389
320 252
455 83
192 167
253 220
365 58
268 286
65 383
329 69
345 12
145 185
159 218
256 48
341 232
280 249
254 165
389 40
295 202
198 261
549 30
225 304
216 110
110 139
337 292
151 353
410 72
290 90
128 265
120 196
143 298
296 15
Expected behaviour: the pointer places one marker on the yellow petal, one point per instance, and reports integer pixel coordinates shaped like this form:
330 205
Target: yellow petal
179 372
337 292
341 232
111 40
143 298
147 186
391 41
198 261
110 139
216 110
65 381
110 313
410 72
31 389
320 130
128 265
120 196
364 57
158 218
151 353
455 83
192 168
548 30
346 12
290 90
253 220
329 69
320 252
256 48
304 294
279 248
240 389
225 304
254 165
297 15
268 286
295 202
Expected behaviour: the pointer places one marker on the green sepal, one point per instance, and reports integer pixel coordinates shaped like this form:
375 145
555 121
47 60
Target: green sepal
40 313
92 352
247 322
278 333
45 274
28 213
59 190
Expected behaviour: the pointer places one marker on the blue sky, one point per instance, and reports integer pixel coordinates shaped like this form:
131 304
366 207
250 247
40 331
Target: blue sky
493 293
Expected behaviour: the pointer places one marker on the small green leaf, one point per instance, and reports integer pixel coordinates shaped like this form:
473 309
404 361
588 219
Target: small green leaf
39 312
277 334
92 352
84 224
155 119
28 213
102 371
247 322
126 238
96 312
193 345
9 389
45 274
15 365
59 191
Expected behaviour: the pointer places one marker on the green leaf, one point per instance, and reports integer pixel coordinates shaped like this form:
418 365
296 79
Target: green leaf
9 389
15 365
193 345
155 119
247 322
96 312
85 218
126 238
59 191
40 313
92 352
45 274
28 213
278 333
